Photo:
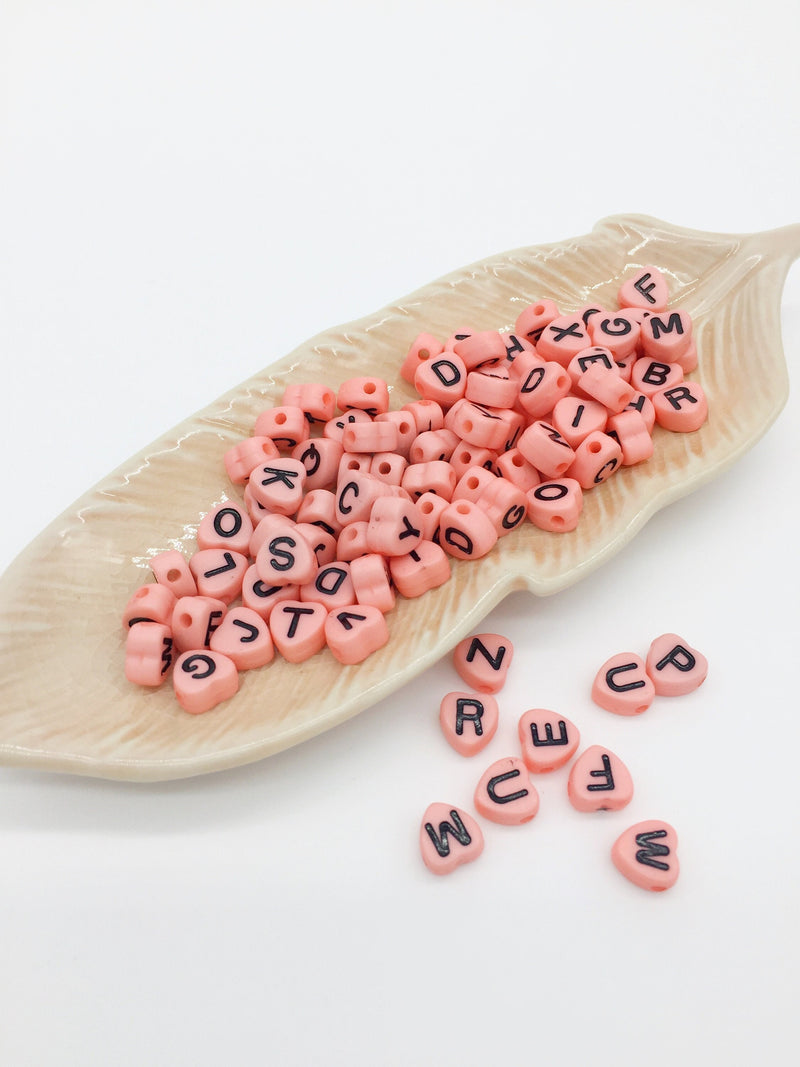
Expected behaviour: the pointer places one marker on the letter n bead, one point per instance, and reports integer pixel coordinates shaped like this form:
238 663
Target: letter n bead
482 661
448 837
623 686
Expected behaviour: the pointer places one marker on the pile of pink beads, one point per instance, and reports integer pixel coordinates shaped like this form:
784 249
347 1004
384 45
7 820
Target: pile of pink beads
346 503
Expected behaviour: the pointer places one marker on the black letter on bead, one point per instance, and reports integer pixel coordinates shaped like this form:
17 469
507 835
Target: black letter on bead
282 553
672 323
492 790
680 392
679 657
605 773
475 719
495 662
192 666
645 290
237 523
456 828
647 850
614 671
562 739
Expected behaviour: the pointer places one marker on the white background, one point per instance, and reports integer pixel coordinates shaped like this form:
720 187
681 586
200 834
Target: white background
187 192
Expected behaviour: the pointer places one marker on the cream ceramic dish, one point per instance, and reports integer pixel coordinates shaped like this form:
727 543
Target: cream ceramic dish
82 716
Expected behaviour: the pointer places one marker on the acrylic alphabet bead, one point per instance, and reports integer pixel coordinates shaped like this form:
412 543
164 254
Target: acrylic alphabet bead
576 418
406 430
433 445
666 335
546 450
394 527
150 603
555 506
279 485
226 526
596 458
476 424
334 428
646 289
617 331
263 596
505 504
389 467
244 637
285 426
171 569
541 389
443 379
194 620
465 456
371 585
472 483
448 838
607 387
424 347
427 414
651 376
437 477
629 430
323 544
427 567
466 531
355 633
513 466
517 346
674 666
298 629
370 437
599 781
563 338
505 794
548 740
595 355
365 394
623 686
532 320
468 721
316 401
682 408
285 556
492 386
482 661
219 573
352 541
430 508
320 458
481 349
355 495
148 653
647 854
202 679
242 459
332 586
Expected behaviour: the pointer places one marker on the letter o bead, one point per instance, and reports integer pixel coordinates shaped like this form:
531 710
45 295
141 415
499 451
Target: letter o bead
202 679
555 506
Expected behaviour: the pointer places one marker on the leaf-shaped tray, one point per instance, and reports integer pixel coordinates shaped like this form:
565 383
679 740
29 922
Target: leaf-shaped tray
61 599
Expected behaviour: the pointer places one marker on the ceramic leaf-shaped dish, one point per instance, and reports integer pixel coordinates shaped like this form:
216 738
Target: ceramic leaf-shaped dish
61 599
